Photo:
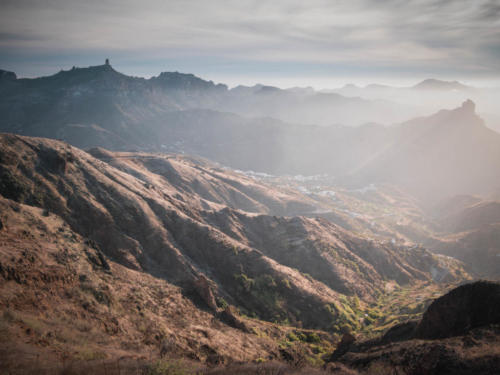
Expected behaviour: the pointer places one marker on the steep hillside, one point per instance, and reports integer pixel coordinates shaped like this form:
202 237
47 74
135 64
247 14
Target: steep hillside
474 216
464 227
469 230
206 186
143 215
61 297
479 249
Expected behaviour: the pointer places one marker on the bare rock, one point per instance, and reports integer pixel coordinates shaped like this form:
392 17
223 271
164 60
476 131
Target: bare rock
202 287
229 317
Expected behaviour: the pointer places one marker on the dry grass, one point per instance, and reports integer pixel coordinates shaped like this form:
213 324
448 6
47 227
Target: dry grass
60 303
169 367
63 303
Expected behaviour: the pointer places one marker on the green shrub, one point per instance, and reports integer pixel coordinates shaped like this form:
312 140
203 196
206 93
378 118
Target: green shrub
313 337
286 283
221 302
302 336
245 282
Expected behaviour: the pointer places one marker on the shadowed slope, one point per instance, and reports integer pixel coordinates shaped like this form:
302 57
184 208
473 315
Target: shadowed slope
167 216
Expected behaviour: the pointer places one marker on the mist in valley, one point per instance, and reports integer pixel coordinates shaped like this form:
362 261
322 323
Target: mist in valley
193 187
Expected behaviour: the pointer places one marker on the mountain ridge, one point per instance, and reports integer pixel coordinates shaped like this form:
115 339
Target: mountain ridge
436 84
182 113
298 106
140 223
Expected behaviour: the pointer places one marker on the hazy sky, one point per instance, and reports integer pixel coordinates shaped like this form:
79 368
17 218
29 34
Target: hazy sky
284 42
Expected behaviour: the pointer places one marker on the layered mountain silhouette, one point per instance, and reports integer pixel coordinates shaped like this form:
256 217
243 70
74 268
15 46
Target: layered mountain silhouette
448 153
436 84
430 84
123 105
175 215
430 95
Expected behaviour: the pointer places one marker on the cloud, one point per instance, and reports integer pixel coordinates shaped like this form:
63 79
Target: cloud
425 35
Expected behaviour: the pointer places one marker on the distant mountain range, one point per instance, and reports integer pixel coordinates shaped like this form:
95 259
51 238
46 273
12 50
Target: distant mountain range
427 84
430 95
188 222
436 84
147 99
451 152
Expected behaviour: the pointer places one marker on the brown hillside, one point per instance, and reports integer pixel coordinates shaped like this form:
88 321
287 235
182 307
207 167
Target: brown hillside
148 213
146 247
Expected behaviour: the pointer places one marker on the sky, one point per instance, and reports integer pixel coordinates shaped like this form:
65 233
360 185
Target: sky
319 43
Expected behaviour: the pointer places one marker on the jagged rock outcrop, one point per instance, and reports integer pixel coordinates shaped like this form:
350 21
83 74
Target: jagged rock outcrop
202 287
449 153
7 76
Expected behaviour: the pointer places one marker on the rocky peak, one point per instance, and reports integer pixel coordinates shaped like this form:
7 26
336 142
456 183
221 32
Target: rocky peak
98 74
468 106
464 115
7 76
